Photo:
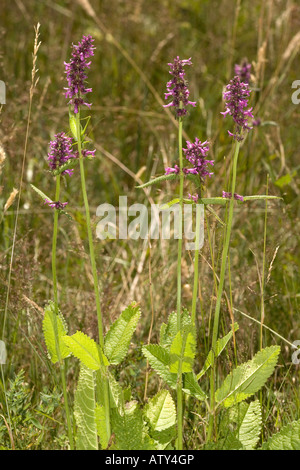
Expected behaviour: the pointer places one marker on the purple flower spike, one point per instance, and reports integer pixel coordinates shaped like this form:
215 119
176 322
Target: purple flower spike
60 152
243 71
236 98
196 154
76 75
177 87
229 196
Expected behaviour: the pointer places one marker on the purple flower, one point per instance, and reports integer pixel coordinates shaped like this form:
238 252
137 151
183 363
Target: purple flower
56 205
243 71
76 75
88 153
256 122
169 170
177 87
194 197
236 98
229 196
196 154
60 152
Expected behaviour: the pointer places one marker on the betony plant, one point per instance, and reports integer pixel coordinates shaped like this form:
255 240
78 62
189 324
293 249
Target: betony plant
105 413
178 336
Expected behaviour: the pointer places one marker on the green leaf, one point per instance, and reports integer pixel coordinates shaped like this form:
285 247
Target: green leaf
116 397
248 378
250 427
84 411
285 180
118 338
54 322
40 193
221 343
72 163
159 179
128 427
44 197
160 411
182 351
73 124
168 331
159 359
101 425
260 197
288 438
86 350
191 386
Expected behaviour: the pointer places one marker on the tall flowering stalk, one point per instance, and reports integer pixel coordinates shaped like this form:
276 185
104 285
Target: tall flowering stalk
76 76
236 99
178 91
60 152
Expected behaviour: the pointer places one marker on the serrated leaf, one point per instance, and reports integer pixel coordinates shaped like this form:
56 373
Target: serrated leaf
248 378
44 197
40 193
159 359
191 386
72 163
116 397
100 419
159 179
169 330
160 411
182 351
250 427
54 327
84 411
86 350
128 427
118 337
220 345
260 197
288 438
73 124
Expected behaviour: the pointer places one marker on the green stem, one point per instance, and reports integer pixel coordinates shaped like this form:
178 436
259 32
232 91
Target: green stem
262 302
179 378
93 265
196 268
181 176
220 289
54 276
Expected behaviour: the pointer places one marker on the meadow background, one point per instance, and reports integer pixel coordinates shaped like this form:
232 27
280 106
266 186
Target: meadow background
136 138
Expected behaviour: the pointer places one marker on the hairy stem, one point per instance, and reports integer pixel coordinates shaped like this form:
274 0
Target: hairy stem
54 277
179 379
93 265
220 289
196 266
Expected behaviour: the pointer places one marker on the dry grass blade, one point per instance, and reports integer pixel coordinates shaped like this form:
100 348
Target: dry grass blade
31 91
